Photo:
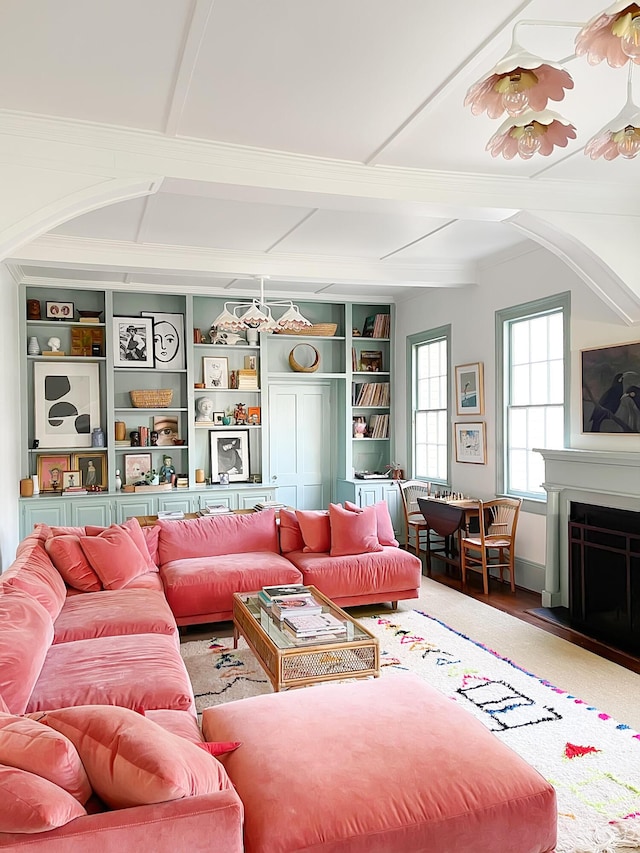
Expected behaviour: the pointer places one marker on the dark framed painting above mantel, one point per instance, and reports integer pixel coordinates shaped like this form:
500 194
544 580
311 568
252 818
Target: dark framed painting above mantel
611 389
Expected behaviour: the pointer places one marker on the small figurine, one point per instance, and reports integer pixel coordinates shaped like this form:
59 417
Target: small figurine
167 472
229 338
54 344
239 414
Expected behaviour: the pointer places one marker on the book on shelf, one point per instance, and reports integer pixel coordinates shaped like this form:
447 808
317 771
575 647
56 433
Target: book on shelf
377 326
75 490
297 605
215 509
269 505
370 394
181 483
317 624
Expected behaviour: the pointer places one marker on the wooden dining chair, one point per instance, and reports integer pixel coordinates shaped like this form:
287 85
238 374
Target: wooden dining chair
494 545
415 525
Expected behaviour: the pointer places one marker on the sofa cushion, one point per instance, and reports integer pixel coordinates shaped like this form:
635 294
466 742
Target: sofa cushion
382 572
114 556
353 532
149 580
290 534
180 723
33 572
132 526
29 803
140 670
69 559
132 761
223 534
27 633
114 612
28 745
151 533
315 529
429 775
386 535
206 585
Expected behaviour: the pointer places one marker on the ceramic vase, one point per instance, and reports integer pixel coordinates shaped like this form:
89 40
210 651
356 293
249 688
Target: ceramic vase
33 347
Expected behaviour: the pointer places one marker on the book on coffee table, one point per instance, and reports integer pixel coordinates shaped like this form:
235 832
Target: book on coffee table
316 625
296 605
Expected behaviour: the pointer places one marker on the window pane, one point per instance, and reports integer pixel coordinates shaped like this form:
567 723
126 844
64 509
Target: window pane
430 418
539 384
520 386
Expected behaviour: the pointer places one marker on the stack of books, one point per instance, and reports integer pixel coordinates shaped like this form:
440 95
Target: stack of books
268 505
268 594
170 513
295 605
320 625
182 483
370 394
214 509
247 380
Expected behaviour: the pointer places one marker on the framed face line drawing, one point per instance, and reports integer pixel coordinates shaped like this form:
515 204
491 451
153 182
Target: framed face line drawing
168 340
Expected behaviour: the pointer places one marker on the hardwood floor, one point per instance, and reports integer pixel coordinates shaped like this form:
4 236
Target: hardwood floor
520 603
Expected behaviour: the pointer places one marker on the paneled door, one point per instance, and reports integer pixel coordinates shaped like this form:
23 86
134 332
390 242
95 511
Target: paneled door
302 442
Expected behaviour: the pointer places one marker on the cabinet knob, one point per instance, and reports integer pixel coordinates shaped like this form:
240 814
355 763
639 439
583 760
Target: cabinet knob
274 477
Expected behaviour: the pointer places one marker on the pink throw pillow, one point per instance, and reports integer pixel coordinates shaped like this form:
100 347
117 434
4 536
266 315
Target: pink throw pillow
29 803
114 556
386 535
30 746
133 528
151 533
315 529
25 638
353 532
290 533
69 559
132 761
220 748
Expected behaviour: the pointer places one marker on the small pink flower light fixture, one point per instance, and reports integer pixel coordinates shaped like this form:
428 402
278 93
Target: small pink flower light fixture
520 81
613 35
531 133
621 136
256 314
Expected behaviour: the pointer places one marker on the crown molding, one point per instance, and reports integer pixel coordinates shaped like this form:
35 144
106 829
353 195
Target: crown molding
63 251
99 148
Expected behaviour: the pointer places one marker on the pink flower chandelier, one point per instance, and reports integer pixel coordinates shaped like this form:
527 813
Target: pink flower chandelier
522 84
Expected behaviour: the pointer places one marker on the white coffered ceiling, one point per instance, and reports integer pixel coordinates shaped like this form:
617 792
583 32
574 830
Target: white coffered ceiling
371 82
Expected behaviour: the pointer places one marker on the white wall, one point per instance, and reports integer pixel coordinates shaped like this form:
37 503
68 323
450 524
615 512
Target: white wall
10 423
471 313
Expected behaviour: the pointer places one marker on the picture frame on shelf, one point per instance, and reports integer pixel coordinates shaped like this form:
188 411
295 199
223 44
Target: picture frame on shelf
469 389
168 340
92 467
370 361
230 454
218 418
50 471
471 442
254 415
610 378
66 403
215 371
136 465
168 429
133 342
70 480
59 310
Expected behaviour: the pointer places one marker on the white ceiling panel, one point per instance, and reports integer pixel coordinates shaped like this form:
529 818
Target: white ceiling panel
356 234
115 222
109 62
464 241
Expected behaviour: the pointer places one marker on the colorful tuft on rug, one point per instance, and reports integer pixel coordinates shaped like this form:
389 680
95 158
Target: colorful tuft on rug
592 760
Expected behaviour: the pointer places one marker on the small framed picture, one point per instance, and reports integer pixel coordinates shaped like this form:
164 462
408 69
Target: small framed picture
50 471
218 418
168 429
471 443
133 342
70 480
469 389
136 465
168 340
215 371
610 397
253 415
92 468
59 310
230 454
251 362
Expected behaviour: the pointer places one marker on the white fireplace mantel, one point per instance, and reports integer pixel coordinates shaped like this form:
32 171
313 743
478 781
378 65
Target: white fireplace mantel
599 477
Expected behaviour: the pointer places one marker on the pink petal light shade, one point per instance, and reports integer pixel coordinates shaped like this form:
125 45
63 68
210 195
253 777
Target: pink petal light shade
613 35
620 137
531 133
518 82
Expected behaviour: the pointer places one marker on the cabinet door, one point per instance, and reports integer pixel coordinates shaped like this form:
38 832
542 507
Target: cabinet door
174 503
247 500
49 512
369 494
92 511
229 499
141 506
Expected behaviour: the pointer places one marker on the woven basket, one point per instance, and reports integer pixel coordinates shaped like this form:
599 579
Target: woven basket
299 368
159 399
318 330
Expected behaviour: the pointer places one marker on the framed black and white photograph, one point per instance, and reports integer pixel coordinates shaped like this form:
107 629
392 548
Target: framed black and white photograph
218 418
133 342
168 340
215 371
92 468
469 389
230 454
611 389
471 443
59 310
66 403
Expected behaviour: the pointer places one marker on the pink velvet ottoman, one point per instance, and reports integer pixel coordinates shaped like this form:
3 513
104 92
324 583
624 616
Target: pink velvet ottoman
378 766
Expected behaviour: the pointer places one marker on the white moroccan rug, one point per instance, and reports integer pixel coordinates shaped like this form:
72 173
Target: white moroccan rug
592 760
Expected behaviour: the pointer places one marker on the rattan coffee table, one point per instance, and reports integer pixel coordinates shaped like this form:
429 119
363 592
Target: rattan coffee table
290 662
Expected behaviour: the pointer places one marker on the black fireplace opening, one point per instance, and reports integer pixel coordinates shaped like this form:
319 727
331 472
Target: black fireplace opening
604 574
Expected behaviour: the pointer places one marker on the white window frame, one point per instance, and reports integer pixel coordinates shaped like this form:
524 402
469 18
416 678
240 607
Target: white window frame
504 318
442 333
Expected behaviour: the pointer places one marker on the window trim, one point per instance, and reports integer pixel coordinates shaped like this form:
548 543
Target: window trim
561 301
429 336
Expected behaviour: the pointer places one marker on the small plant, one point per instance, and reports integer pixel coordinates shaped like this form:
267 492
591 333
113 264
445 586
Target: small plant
394 469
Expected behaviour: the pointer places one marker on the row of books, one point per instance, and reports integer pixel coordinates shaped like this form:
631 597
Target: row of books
370 394
301 614
244 380
377 326
378 426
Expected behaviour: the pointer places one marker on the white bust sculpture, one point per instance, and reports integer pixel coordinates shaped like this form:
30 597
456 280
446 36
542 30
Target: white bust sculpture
54 344
204 409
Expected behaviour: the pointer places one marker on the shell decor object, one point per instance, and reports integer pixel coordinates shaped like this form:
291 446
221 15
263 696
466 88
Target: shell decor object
613 35
531 133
